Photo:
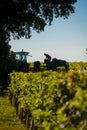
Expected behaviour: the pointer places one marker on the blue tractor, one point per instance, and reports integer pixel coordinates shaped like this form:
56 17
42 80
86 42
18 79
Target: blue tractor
21 58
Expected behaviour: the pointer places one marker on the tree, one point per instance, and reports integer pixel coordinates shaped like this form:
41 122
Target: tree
4 54
20 17
86 52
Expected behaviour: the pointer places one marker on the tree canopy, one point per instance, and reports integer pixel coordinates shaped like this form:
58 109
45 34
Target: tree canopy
20 17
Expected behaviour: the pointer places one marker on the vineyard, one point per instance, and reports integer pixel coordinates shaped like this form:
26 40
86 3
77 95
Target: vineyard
50 100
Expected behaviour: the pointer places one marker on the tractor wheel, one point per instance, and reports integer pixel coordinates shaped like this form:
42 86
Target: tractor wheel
24 68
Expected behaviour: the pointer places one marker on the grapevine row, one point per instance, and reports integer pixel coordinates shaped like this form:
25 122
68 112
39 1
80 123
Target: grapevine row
49 100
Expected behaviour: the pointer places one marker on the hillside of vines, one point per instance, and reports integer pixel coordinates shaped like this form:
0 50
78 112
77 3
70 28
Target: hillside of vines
51 100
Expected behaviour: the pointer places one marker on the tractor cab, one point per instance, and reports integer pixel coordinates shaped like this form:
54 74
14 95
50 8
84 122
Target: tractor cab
21 57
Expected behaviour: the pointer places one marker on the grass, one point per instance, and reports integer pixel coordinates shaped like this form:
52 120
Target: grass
8 118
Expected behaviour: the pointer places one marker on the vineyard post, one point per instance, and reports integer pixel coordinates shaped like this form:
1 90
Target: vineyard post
10 96
21 114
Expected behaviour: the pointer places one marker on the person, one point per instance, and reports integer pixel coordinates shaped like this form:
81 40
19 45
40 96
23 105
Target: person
48 57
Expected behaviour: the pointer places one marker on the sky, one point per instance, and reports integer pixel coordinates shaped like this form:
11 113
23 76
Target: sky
65 39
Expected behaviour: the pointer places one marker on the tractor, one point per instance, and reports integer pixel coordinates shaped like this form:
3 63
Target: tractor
21 58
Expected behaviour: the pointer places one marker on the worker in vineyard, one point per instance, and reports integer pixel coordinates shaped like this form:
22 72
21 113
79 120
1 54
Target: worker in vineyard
48 57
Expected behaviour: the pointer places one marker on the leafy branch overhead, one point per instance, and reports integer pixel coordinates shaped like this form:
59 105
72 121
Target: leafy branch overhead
20 17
